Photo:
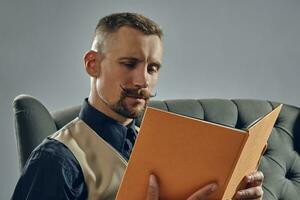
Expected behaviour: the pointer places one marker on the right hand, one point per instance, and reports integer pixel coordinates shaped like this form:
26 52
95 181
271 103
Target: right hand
201 194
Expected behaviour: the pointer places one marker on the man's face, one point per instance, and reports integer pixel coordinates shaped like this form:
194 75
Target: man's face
130 61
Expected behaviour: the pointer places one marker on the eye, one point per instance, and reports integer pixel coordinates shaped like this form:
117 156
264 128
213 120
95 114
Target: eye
153 69
129 65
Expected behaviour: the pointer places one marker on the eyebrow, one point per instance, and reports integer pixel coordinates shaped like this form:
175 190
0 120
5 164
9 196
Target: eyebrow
138 60
129 58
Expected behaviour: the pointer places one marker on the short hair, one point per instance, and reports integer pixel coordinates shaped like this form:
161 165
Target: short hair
111 23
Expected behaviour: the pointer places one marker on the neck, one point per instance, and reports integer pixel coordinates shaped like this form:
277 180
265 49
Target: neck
101 106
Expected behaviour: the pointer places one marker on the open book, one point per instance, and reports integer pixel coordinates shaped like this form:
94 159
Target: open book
186 154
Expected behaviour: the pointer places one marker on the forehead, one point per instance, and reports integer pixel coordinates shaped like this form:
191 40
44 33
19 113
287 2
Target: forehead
134 43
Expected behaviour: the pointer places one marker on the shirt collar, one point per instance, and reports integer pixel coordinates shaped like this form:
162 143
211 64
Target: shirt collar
109 129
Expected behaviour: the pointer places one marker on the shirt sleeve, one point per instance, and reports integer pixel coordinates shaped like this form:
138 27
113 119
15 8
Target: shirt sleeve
50 175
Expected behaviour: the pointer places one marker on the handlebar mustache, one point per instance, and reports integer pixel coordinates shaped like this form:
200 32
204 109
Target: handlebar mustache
137 92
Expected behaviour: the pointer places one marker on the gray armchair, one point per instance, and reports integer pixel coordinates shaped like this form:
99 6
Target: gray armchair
280 163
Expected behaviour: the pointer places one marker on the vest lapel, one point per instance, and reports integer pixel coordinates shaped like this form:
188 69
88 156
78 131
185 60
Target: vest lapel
101 164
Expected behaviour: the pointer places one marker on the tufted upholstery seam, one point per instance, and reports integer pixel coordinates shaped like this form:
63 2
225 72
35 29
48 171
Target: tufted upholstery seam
267 155
270 192
284 130
283 188
270 104
168 109
293 180
292 169
238 114
202 108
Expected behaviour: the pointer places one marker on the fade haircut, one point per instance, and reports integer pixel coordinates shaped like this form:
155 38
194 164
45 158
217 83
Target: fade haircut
111 24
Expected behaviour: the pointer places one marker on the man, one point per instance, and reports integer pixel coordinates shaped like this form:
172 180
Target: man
86 159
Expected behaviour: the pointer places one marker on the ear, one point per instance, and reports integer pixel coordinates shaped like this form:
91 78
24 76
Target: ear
91 63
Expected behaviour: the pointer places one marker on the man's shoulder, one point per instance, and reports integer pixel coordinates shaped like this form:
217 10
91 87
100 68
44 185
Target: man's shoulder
51 151
50 173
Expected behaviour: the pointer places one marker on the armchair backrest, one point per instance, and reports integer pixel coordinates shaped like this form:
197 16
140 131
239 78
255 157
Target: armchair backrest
280 163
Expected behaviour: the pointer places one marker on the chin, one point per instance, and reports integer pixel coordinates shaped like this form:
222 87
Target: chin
134 113
129 109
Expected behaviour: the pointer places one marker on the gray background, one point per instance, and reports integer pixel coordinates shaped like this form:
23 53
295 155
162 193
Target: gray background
213 49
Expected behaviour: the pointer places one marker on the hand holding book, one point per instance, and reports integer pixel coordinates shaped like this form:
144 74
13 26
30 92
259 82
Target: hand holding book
252 191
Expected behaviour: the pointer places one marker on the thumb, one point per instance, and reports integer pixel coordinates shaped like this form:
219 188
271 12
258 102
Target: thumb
153 188
203 192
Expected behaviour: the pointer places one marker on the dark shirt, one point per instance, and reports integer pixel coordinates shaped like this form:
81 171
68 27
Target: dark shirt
52 171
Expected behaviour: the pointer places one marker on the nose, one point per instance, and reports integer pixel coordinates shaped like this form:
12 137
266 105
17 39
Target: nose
140 76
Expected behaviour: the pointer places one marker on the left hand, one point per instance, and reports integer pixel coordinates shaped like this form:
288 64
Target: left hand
253 189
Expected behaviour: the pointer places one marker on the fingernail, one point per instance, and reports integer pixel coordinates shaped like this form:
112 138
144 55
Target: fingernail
213 187
152 180
239 194
249 179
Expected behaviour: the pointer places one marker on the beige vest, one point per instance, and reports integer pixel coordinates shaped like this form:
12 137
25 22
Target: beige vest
101 164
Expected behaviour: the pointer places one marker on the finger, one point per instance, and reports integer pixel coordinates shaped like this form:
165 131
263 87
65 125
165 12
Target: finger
254 179
153 188
204 192
250 193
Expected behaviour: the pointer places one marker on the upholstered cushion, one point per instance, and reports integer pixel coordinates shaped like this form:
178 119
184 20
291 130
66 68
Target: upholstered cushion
33 123
280 163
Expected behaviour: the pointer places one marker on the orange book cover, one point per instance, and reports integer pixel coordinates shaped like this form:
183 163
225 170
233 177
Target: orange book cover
186 154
